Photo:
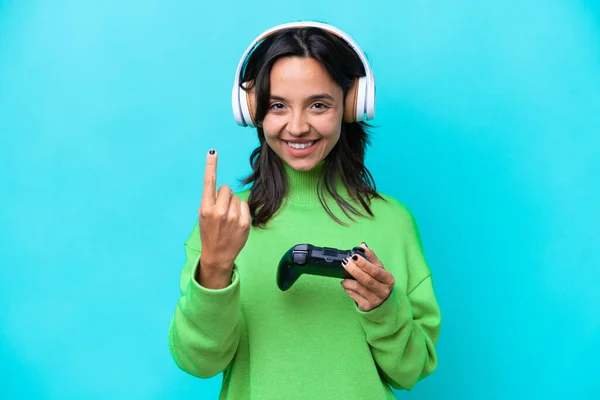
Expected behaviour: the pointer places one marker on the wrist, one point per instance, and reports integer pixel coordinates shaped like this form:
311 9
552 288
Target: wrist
208 261
212 275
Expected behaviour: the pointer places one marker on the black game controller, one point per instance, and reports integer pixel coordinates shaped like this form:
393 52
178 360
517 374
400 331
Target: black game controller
313 260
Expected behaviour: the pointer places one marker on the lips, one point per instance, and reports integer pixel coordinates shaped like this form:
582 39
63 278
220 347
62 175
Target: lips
301 148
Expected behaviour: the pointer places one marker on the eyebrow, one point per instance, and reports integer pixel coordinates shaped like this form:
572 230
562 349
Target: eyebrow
320 96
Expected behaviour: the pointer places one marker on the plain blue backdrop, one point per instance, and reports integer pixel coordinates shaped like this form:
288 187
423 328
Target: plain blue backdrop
487 127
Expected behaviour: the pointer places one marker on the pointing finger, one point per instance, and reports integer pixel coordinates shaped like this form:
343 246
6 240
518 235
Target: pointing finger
210 179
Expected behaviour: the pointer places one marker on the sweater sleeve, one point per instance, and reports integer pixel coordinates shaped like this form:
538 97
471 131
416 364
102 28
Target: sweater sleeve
403 331
204 331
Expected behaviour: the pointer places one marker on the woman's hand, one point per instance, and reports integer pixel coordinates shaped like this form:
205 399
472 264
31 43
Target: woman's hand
373 283
224 227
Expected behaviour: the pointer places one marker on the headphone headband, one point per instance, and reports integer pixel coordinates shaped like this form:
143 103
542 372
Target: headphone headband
366 84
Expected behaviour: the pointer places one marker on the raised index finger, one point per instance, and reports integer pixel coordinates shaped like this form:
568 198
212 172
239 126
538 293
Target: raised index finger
209 192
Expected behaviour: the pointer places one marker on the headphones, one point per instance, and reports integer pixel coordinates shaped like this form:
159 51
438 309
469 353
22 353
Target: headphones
359 104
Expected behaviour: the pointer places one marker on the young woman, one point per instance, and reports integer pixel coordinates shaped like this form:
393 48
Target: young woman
307 89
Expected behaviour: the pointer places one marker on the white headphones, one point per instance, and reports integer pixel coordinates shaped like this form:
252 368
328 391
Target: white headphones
359 102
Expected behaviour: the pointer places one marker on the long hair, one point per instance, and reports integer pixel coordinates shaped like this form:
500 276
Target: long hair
345 162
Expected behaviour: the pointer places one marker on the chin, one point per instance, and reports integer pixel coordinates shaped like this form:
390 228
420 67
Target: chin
302 165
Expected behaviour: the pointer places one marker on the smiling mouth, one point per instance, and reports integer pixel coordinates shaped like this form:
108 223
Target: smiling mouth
301 146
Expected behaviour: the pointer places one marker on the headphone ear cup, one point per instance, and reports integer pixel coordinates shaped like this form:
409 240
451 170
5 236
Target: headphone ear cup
370 99
350 103
235 105
251 96
248 104
354 103
361 99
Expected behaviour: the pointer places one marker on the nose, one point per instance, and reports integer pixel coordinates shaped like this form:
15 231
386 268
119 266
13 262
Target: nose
297 125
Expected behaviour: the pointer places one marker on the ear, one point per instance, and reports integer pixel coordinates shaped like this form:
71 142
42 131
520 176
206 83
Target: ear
350 102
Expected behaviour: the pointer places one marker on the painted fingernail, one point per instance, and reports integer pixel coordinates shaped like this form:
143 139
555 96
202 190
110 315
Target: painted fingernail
365 244
344 261
355 257
212 151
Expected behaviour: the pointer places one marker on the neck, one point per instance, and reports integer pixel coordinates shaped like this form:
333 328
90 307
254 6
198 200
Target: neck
302 185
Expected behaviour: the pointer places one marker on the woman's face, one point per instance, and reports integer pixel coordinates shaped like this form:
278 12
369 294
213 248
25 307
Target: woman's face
304 118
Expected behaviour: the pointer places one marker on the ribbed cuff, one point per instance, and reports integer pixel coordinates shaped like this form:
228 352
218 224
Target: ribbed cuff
204 302
396 307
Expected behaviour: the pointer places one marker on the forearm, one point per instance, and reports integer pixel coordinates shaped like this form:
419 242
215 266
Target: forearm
204 332
402 333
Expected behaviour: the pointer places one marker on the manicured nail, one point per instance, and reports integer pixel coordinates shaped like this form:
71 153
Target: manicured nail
211 152
344 262
365 244
355 257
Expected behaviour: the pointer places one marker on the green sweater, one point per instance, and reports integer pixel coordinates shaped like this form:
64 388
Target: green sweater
312 341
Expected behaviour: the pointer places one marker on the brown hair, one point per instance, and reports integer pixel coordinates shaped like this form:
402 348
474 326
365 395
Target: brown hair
345 162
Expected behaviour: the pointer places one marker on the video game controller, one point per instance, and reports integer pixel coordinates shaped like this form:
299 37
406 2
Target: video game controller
313 260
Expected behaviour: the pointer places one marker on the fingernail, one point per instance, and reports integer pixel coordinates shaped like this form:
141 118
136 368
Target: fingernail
344 261
355 257
211 152
365 244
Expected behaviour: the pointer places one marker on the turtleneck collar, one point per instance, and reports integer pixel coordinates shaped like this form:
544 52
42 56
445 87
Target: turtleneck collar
302 185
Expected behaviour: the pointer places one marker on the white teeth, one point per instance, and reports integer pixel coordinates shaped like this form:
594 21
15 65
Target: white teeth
299 146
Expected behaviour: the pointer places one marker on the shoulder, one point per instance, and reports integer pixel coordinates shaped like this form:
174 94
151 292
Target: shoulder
394 215
391 207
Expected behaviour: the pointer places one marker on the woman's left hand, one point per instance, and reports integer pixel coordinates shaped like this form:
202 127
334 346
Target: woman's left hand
373 283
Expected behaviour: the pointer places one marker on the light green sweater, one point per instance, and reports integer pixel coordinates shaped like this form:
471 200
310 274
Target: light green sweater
312 341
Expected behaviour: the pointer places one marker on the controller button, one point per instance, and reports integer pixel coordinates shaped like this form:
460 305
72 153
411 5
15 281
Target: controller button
301 247
299 258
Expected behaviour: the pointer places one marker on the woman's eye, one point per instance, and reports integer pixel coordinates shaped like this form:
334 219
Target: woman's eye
276 106
319 106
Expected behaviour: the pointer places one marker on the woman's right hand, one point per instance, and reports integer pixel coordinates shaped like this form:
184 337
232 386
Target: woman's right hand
224 227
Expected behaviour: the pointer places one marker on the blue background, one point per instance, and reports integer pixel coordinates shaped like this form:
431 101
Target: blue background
488 127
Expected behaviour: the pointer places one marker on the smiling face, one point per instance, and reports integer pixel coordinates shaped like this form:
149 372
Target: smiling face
304 119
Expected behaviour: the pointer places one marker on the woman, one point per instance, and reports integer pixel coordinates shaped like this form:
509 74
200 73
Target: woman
324 338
